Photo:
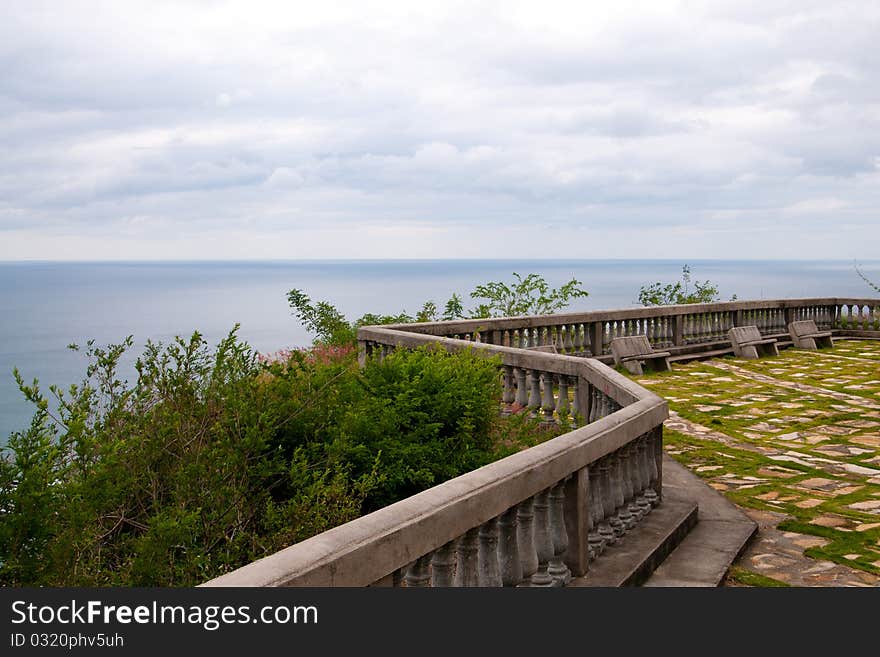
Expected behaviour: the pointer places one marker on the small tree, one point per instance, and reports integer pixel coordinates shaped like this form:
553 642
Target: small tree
525 296
867 280
332 328
680 292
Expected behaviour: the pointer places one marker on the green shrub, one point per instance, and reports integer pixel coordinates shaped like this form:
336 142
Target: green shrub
212 458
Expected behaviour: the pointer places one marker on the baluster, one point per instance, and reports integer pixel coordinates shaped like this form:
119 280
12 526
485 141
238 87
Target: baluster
654 439
487 558
509 394
525 538
647 495
543 541
442 565
631 482
522 392
608 522
467 563
578 416
508 548
607 405
622 514
557 569
417 574
549 404
577 340
562 404
594 537
534 392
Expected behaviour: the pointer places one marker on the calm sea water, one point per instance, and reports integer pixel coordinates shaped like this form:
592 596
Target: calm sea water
46 306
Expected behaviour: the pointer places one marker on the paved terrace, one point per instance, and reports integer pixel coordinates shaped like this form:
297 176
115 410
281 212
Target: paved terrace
795 441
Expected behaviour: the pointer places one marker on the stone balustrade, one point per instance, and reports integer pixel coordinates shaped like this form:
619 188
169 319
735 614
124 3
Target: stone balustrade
535 518
679 328
541 516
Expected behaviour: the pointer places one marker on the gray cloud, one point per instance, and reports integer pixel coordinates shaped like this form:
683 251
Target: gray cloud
143 129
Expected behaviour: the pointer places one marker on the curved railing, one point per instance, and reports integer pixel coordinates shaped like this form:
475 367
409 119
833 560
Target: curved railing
679 329
541 516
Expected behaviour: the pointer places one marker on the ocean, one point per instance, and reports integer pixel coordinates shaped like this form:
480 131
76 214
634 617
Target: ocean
44 306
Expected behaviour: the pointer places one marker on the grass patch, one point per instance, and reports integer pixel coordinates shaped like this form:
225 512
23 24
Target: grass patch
782 450
748 578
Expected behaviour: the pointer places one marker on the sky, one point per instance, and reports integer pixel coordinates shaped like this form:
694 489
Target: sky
291 130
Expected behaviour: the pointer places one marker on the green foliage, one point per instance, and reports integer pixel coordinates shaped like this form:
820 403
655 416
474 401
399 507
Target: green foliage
426 418
453 308
330 326
745 577
680 292
867 280
524 296
321 318
214 458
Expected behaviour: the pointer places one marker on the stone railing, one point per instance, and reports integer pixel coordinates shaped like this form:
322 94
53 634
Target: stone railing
677 328
535 518
541 516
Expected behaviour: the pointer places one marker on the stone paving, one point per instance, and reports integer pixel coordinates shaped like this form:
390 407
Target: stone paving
795 441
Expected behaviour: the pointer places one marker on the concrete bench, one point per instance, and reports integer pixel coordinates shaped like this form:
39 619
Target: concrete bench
635 351
748 342
806 335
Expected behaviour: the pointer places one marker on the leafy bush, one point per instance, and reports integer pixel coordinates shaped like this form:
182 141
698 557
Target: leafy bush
214 458
680 292
524 296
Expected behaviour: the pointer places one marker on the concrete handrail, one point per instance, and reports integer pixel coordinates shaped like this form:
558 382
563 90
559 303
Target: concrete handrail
647 312
373 546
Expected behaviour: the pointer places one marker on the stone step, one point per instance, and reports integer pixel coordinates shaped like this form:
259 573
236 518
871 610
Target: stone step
705 555
637 554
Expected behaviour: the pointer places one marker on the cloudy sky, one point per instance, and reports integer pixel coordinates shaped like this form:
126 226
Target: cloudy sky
255 130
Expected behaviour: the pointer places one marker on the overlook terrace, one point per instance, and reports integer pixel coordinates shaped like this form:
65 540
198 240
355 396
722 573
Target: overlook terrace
599 505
